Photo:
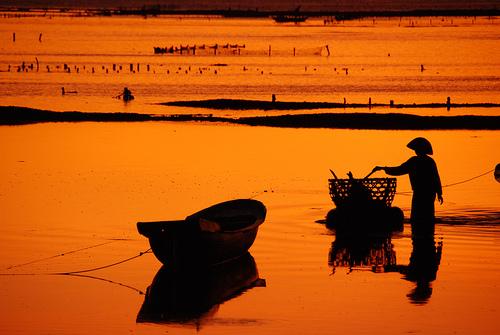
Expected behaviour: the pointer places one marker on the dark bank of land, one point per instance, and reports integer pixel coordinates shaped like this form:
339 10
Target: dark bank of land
13 115
390 121
338 15
240 104
10 115
166 10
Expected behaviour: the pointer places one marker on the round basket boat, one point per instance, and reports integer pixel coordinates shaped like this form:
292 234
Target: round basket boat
349 191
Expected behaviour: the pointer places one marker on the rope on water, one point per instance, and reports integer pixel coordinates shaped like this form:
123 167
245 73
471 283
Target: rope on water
467 180
59 255
453 184
104 266
80 271
108 281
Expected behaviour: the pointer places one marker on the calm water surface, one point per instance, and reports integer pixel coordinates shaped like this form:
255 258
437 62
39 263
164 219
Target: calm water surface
379 59
66 187
70 194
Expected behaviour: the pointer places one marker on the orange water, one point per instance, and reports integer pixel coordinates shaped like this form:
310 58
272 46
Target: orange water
379 59
71 186
71 193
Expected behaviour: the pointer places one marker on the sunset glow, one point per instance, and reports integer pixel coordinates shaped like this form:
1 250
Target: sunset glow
72 260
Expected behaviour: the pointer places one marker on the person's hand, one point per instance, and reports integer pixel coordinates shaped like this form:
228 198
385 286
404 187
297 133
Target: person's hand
440 199
377 168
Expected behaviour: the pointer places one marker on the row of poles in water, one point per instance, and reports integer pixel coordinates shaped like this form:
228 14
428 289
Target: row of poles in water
135 68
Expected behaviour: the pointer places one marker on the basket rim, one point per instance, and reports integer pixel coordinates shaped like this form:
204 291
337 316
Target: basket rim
361 179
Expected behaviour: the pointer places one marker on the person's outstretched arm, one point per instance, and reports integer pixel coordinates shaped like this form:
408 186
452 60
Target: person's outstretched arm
394 170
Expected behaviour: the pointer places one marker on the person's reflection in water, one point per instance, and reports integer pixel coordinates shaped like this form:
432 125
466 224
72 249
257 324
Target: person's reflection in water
423 267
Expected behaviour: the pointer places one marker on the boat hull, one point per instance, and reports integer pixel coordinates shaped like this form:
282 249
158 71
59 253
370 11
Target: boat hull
181 248
214 235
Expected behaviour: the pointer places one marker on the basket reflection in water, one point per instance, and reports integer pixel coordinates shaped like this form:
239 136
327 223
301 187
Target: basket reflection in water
376 253
364 205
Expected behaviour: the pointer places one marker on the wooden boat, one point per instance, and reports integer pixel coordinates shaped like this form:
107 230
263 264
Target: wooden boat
214 235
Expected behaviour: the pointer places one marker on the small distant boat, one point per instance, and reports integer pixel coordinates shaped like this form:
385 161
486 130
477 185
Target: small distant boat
290 18
211 236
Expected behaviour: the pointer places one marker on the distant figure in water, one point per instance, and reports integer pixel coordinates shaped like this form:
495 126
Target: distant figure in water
126 95
273 98
426 184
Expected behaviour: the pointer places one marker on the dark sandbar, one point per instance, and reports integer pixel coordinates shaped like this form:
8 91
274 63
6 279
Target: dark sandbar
12 115
21 115
241 104
375 121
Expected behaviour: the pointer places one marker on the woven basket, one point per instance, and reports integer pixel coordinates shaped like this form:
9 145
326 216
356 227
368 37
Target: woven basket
378 190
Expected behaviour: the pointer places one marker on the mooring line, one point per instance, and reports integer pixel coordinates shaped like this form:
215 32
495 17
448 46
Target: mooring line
76 275
452 184
104 266
80 271
107 281
59 255
467 180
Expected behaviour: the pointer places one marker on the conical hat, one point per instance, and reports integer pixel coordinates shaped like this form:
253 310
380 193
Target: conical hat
420 144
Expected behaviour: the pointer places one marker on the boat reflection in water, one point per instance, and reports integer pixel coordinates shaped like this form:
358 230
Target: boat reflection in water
376 253
190 296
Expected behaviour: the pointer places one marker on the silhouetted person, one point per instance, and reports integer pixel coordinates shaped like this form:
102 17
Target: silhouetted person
425 182
126 94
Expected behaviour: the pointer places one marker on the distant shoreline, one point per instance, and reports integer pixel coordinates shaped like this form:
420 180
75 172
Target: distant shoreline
153 11
12 115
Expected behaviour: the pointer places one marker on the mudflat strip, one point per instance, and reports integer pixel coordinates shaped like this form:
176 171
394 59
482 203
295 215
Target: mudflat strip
11 115
241 104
